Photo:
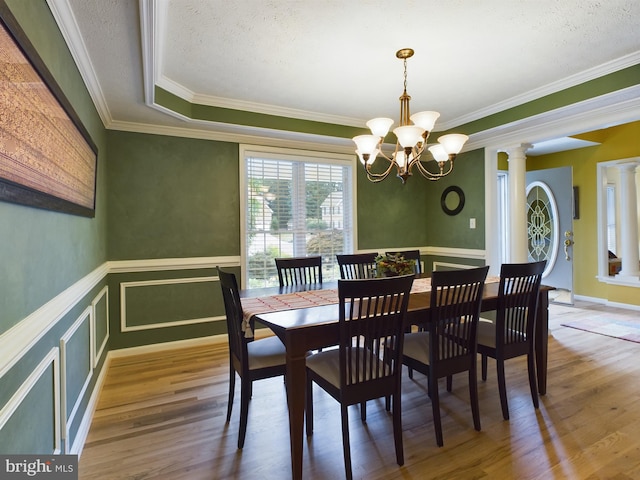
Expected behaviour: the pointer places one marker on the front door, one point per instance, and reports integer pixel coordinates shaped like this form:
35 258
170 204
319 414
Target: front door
550 214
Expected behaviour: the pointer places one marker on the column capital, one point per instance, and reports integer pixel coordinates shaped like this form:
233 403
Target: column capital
625 167
516 151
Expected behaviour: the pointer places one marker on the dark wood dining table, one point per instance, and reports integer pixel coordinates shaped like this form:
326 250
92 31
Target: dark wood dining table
312 328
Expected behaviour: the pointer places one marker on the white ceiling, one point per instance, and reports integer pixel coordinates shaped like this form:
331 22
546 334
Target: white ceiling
334 60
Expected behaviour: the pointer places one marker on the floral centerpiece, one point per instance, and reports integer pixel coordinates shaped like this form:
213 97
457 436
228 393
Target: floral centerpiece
394 265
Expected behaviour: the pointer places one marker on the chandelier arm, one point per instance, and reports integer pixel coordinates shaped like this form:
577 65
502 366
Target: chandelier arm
377 177
434 176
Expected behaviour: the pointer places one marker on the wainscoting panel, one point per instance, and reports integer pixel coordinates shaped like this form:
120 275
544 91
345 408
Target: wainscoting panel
152 304
76 366
34 411
100 307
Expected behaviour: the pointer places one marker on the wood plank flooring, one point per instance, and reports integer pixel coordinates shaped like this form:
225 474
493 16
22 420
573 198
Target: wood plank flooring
162 415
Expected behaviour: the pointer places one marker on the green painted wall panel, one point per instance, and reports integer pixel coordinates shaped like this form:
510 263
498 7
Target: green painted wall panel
173 302
172 197
390 214
147 310
30 430
101 322
453 231
78 362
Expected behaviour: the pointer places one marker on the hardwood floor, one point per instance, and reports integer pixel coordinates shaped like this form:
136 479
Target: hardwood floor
162 415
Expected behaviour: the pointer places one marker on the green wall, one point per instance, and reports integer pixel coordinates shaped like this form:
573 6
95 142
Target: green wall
172 197
43 252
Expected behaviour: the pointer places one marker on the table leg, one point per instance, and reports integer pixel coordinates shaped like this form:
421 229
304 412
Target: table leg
296 381
542 339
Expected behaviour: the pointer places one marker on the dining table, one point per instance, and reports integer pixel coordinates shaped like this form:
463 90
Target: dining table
305 317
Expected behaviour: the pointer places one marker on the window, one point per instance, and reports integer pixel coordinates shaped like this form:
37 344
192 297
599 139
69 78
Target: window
294 204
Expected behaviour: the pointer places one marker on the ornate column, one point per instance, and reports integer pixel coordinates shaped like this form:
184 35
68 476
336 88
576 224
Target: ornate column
629 221
518 203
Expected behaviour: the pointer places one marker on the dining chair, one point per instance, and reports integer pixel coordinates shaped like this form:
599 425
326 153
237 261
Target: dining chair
366 365
299 270
410 255
512 333
448 344
357 265
250 359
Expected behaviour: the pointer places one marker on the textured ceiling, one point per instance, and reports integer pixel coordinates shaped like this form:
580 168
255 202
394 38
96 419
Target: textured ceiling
335 60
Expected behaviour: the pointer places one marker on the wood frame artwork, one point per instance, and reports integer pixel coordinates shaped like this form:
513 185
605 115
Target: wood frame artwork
47 158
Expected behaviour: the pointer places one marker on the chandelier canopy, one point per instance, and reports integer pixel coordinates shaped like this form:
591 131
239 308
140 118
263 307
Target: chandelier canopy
412 135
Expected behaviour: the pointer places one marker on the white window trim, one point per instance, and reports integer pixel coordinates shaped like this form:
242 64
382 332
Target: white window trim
277 153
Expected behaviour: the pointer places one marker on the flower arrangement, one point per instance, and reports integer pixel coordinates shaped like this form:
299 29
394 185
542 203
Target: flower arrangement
394 265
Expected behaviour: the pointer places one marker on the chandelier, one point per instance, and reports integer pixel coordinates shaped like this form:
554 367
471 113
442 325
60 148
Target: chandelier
412 135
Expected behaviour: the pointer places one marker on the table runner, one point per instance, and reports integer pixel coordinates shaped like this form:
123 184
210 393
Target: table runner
307 299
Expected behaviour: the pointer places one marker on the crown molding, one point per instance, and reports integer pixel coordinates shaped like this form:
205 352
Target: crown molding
63 15
621 106
184 93
567 82
250 135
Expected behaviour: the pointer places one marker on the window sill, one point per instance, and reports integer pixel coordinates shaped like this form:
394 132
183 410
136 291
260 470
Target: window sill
623 282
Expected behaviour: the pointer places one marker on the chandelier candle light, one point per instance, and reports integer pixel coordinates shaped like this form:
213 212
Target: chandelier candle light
412 135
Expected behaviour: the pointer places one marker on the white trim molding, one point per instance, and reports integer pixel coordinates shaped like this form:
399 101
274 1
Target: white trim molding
87 315
51 358
19 339
162 264
124 327
99 350
455 252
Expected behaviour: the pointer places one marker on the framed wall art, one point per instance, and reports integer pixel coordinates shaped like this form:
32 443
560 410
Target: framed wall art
47 158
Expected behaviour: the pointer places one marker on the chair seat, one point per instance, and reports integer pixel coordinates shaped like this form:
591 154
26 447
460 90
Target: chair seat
266 352
416 346
326 364
487 333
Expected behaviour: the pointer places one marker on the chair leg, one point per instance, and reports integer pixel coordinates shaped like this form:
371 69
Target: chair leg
473 396
309 407
245 395
363 411
410 372
484 367
502 389
435 405
345 442
232 388
449 383
532 379
387 403
397 429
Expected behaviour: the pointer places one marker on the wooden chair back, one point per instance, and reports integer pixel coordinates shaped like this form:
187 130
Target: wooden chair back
371 335
357 265
299 270
455 309
234 314
517 305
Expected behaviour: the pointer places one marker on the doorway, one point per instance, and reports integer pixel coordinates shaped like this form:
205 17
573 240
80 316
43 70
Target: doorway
550 213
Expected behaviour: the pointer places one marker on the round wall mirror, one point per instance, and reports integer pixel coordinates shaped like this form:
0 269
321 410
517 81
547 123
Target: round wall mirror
452 200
